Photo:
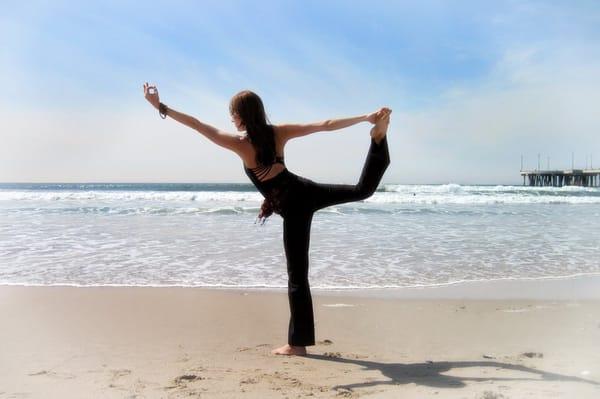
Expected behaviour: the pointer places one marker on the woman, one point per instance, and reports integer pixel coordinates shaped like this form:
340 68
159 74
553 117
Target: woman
293 197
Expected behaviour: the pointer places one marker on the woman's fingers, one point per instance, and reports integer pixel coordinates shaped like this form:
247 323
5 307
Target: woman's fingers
150 90
147 86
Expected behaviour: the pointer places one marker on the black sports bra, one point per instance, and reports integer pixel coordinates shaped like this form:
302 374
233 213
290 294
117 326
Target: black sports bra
263 170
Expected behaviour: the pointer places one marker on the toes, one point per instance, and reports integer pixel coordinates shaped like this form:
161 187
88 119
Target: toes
383 120
284 350
384 114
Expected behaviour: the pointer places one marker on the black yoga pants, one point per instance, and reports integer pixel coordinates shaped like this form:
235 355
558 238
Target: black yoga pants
309 198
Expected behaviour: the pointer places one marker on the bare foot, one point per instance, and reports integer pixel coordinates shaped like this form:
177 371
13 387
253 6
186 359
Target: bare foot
379 131
290 350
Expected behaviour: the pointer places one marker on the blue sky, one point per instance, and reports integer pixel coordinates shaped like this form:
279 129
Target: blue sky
473 85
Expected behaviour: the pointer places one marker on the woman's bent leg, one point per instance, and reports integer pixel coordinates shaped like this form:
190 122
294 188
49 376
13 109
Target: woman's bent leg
378 159
296 240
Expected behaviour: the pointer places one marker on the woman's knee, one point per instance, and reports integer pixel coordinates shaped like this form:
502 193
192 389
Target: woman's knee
364 191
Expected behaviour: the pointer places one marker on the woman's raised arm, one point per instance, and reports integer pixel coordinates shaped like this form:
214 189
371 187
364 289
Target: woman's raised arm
215 135
289 131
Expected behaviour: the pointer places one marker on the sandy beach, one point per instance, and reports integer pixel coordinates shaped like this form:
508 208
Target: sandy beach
123 342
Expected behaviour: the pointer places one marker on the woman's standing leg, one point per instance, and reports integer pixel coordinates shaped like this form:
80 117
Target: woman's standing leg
296 241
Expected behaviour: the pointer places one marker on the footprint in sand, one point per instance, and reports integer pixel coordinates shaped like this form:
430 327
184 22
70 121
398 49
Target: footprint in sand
187 378
492 395
182 380
532 354
120 373
53 374
249 380
325 342
247 348
345 393
115 374
355 356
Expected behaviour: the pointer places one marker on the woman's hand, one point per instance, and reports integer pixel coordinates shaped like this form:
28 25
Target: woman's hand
151 94
374 116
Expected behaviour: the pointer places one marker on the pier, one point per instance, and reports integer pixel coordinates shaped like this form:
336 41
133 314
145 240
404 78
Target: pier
559 178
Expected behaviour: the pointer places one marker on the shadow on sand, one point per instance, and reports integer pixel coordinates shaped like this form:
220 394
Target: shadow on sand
430 373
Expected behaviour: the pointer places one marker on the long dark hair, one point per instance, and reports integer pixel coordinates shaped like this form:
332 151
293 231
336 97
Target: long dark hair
249 107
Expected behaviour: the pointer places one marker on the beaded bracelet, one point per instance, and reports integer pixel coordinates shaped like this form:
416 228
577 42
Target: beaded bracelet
162 110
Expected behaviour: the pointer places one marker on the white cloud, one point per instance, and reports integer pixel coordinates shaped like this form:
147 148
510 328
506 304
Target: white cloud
529 104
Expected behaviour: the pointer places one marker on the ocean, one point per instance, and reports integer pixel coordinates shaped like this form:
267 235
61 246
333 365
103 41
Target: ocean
205 235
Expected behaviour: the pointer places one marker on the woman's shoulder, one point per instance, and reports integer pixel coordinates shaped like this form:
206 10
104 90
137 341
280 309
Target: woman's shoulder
279 132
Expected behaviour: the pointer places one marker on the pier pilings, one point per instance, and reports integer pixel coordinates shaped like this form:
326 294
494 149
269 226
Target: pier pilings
559 178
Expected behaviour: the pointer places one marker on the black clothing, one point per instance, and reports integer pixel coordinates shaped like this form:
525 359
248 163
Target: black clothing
261 171
296 199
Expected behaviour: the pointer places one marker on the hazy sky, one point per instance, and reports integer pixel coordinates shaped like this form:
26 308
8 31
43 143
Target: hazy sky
473 85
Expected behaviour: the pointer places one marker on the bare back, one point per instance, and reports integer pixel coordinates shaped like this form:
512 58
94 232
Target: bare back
248 155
